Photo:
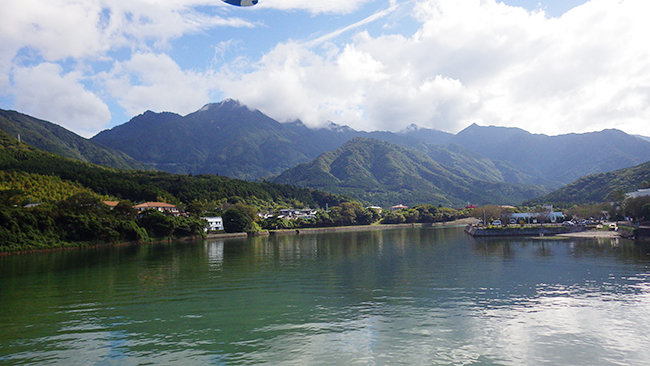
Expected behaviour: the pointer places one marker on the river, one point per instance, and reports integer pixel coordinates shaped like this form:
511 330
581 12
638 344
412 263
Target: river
423 296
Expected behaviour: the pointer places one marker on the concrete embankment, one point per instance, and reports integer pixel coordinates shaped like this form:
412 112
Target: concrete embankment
521 231
461 222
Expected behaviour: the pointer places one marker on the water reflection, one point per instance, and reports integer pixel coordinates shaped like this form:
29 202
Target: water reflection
413 296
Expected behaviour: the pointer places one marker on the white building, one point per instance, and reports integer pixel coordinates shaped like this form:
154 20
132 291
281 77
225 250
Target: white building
639 193
158 206
214 223
552 216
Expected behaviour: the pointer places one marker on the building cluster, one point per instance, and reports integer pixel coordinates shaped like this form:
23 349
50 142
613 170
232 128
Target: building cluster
547 214
638 193
215 223
292 213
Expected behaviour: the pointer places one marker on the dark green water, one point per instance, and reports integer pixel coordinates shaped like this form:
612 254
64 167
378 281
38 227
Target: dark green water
392 297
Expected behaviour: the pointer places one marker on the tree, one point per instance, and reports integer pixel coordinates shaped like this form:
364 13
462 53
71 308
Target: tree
634 207
11 197
645 211
125 208
393 218
157 224
240 219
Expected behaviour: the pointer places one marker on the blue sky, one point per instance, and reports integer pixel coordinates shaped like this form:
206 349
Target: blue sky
549 67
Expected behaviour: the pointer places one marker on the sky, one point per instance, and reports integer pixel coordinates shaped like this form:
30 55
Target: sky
551 67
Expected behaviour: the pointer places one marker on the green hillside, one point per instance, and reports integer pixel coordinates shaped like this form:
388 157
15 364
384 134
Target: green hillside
386 174
150 186
22 188
595 188
49 137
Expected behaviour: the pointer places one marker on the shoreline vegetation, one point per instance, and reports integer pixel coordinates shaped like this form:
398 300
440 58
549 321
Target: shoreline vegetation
303 231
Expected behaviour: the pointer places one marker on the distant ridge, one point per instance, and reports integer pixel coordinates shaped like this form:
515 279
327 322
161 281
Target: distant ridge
562 158
643 137
596 188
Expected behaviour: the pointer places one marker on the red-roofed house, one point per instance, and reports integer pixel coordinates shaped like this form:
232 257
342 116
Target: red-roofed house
111 204
398 207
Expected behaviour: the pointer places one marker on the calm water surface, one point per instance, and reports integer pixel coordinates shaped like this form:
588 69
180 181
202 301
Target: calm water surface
393 297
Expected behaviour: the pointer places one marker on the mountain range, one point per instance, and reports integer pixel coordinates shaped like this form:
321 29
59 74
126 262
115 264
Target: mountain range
484 164
230 139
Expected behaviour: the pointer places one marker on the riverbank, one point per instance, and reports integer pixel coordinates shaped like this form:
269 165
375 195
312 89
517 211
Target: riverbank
72 246
456 223
531 231
461 222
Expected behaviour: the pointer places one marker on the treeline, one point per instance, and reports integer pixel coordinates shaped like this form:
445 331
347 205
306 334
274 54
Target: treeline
83 219
424 214
244 218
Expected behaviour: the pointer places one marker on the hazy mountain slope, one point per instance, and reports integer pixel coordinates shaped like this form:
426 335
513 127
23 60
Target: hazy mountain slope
596 187
428 135
386 174
562 158
56 139
224 138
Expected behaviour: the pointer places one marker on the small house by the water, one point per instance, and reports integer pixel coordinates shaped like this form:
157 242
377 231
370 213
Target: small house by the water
214 223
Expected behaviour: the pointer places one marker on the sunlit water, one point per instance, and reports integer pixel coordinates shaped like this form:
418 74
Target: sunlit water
393 297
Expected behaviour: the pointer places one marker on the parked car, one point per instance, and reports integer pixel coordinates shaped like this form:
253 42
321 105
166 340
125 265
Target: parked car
496 223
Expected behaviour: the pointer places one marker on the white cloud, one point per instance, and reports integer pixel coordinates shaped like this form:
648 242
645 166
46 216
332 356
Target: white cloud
44 92
470 61
155 81
58 35
315 7
58 29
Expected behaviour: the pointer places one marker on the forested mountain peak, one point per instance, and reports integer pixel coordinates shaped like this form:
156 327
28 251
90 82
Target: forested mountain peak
384 173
